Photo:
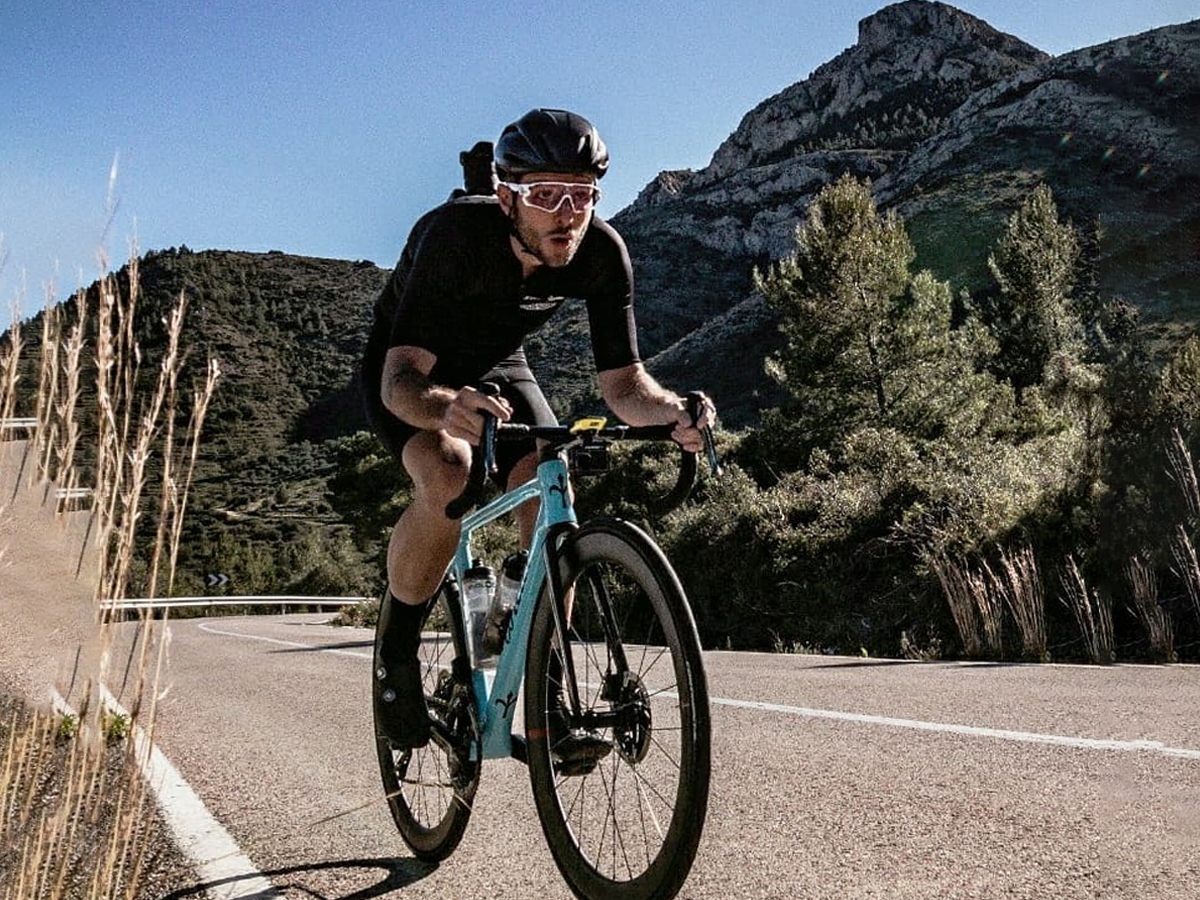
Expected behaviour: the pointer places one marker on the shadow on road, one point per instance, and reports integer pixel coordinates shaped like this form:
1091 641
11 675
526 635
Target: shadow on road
316 648
963 664
397 873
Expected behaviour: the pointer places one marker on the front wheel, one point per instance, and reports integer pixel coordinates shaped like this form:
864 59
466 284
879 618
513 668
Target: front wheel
430 789
625 822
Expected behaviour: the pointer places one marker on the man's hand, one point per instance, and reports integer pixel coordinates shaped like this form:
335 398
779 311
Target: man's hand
688 433
463 416
633 394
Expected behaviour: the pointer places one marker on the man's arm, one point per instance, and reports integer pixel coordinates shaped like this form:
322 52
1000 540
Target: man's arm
410 395
638 399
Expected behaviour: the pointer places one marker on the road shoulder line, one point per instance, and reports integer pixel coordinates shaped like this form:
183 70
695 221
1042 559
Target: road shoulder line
1025 737
224 871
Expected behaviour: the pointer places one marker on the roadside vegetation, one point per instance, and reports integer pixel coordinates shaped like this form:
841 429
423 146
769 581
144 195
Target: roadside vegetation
1000 468
1005 474
76 818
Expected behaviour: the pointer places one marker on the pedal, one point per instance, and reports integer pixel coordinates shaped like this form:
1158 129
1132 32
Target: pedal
579 752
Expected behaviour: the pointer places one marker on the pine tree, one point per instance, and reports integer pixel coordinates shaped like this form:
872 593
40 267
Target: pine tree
1035 265
836 297
866 343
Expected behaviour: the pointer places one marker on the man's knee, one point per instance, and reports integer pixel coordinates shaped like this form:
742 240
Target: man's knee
438 466
522 470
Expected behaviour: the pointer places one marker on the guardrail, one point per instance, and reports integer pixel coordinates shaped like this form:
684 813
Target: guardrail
18 424
155 603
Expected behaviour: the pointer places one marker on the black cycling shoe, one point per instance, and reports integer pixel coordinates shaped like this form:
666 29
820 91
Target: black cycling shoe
576 751
401 715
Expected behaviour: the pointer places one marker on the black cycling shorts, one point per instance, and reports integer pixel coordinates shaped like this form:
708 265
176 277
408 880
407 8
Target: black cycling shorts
517 385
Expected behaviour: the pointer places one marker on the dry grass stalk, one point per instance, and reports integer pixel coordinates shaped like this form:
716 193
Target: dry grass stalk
118 360
1183 472
1021 589
991 607
10 358
1156 620
1092 612
66 404
1188 566
167 484
130 490
953 578
52 840
69 811
47 390
179 495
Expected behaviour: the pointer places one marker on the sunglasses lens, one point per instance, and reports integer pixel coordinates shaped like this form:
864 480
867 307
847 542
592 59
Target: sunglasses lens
548 196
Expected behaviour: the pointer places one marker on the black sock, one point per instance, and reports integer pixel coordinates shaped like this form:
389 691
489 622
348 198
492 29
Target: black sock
401 627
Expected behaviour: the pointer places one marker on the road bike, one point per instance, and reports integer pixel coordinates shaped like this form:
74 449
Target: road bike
602 644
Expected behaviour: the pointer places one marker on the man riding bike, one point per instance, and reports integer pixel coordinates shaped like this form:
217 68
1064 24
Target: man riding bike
476 276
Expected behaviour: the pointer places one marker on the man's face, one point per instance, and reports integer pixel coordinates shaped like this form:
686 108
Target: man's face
551 237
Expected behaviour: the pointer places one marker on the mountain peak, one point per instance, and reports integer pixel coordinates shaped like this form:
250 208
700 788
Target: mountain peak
909 50
920 18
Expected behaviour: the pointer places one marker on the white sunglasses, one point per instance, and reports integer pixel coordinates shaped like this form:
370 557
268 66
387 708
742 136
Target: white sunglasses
549 196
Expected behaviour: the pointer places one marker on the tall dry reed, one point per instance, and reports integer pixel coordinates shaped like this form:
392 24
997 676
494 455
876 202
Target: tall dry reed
1157 621
1187 566
1183 472
953 577
94 821
1092 612
990 603
1021 588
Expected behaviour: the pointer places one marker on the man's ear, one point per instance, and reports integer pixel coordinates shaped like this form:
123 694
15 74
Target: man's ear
505 195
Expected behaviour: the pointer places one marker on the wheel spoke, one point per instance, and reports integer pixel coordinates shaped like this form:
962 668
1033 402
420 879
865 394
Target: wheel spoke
430 788
634 820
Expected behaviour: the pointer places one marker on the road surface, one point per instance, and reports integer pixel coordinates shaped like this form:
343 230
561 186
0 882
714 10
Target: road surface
833 777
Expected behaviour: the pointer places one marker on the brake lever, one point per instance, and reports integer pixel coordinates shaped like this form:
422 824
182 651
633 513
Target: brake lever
695 406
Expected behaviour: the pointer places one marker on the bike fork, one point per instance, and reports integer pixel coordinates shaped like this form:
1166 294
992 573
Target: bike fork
555 541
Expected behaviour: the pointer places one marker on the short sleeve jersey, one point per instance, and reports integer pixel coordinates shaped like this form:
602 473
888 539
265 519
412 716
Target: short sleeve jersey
458 292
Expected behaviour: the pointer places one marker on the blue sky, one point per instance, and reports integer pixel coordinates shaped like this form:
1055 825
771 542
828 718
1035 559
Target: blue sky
325 129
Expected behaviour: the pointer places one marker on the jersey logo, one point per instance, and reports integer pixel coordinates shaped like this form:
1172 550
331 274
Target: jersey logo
541 304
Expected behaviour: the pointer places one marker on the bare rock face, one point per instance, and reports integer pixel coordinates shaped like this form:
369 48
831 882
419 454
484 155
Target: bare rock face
953 122
929 53
695 235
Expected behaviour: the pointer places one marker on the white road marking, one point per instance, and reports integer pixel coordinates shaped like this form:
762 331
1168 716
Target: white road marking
266 640
1001 734
220 865
1025 737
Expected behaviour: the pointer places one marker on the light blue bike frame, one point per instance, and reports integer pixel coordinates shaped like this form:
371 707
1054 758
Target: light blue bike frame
496 690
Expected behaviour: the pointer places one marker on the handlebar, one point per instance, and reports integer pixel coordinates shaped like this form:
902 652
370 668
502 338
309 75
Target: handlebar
559 437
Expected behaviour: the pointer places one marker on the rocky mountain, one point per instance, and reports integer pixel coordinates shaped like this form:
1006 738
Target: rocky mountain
953 122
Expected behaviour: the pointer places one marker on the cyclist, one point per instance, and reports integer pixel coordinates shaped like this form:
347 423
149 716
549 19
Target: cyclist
477 275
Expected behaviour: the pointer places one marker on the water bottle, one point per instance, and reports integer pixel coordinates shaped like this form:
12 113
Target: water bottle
479 586
496 628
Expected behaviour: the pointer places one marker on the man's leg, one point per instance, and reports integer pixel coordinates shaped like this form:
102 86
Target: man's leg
424 540
526 514
422 546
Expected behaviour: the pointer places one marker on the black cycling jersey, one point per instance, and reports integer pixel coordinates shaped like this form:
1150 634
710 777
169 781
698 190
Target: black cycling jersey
458 293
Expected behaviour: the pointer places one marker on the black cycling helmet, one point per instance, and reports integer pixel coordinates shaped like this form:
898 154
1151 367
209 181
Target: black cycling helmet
550 140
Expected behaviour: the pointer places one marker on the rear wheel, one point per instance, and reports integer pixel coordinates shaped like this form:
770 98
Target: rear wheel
628 825
430 789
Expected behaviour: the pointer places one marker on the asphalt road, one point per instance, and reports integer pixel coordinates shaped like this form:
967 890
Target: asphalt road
833 777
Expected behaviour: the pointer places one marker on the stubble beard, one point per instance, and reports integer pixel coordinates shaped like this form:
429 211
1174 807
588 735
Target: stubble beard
539 243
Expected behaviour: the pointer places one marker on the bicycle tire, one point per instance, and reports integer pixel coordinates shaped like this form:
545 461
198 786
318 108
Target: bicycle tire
661 753
430 789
